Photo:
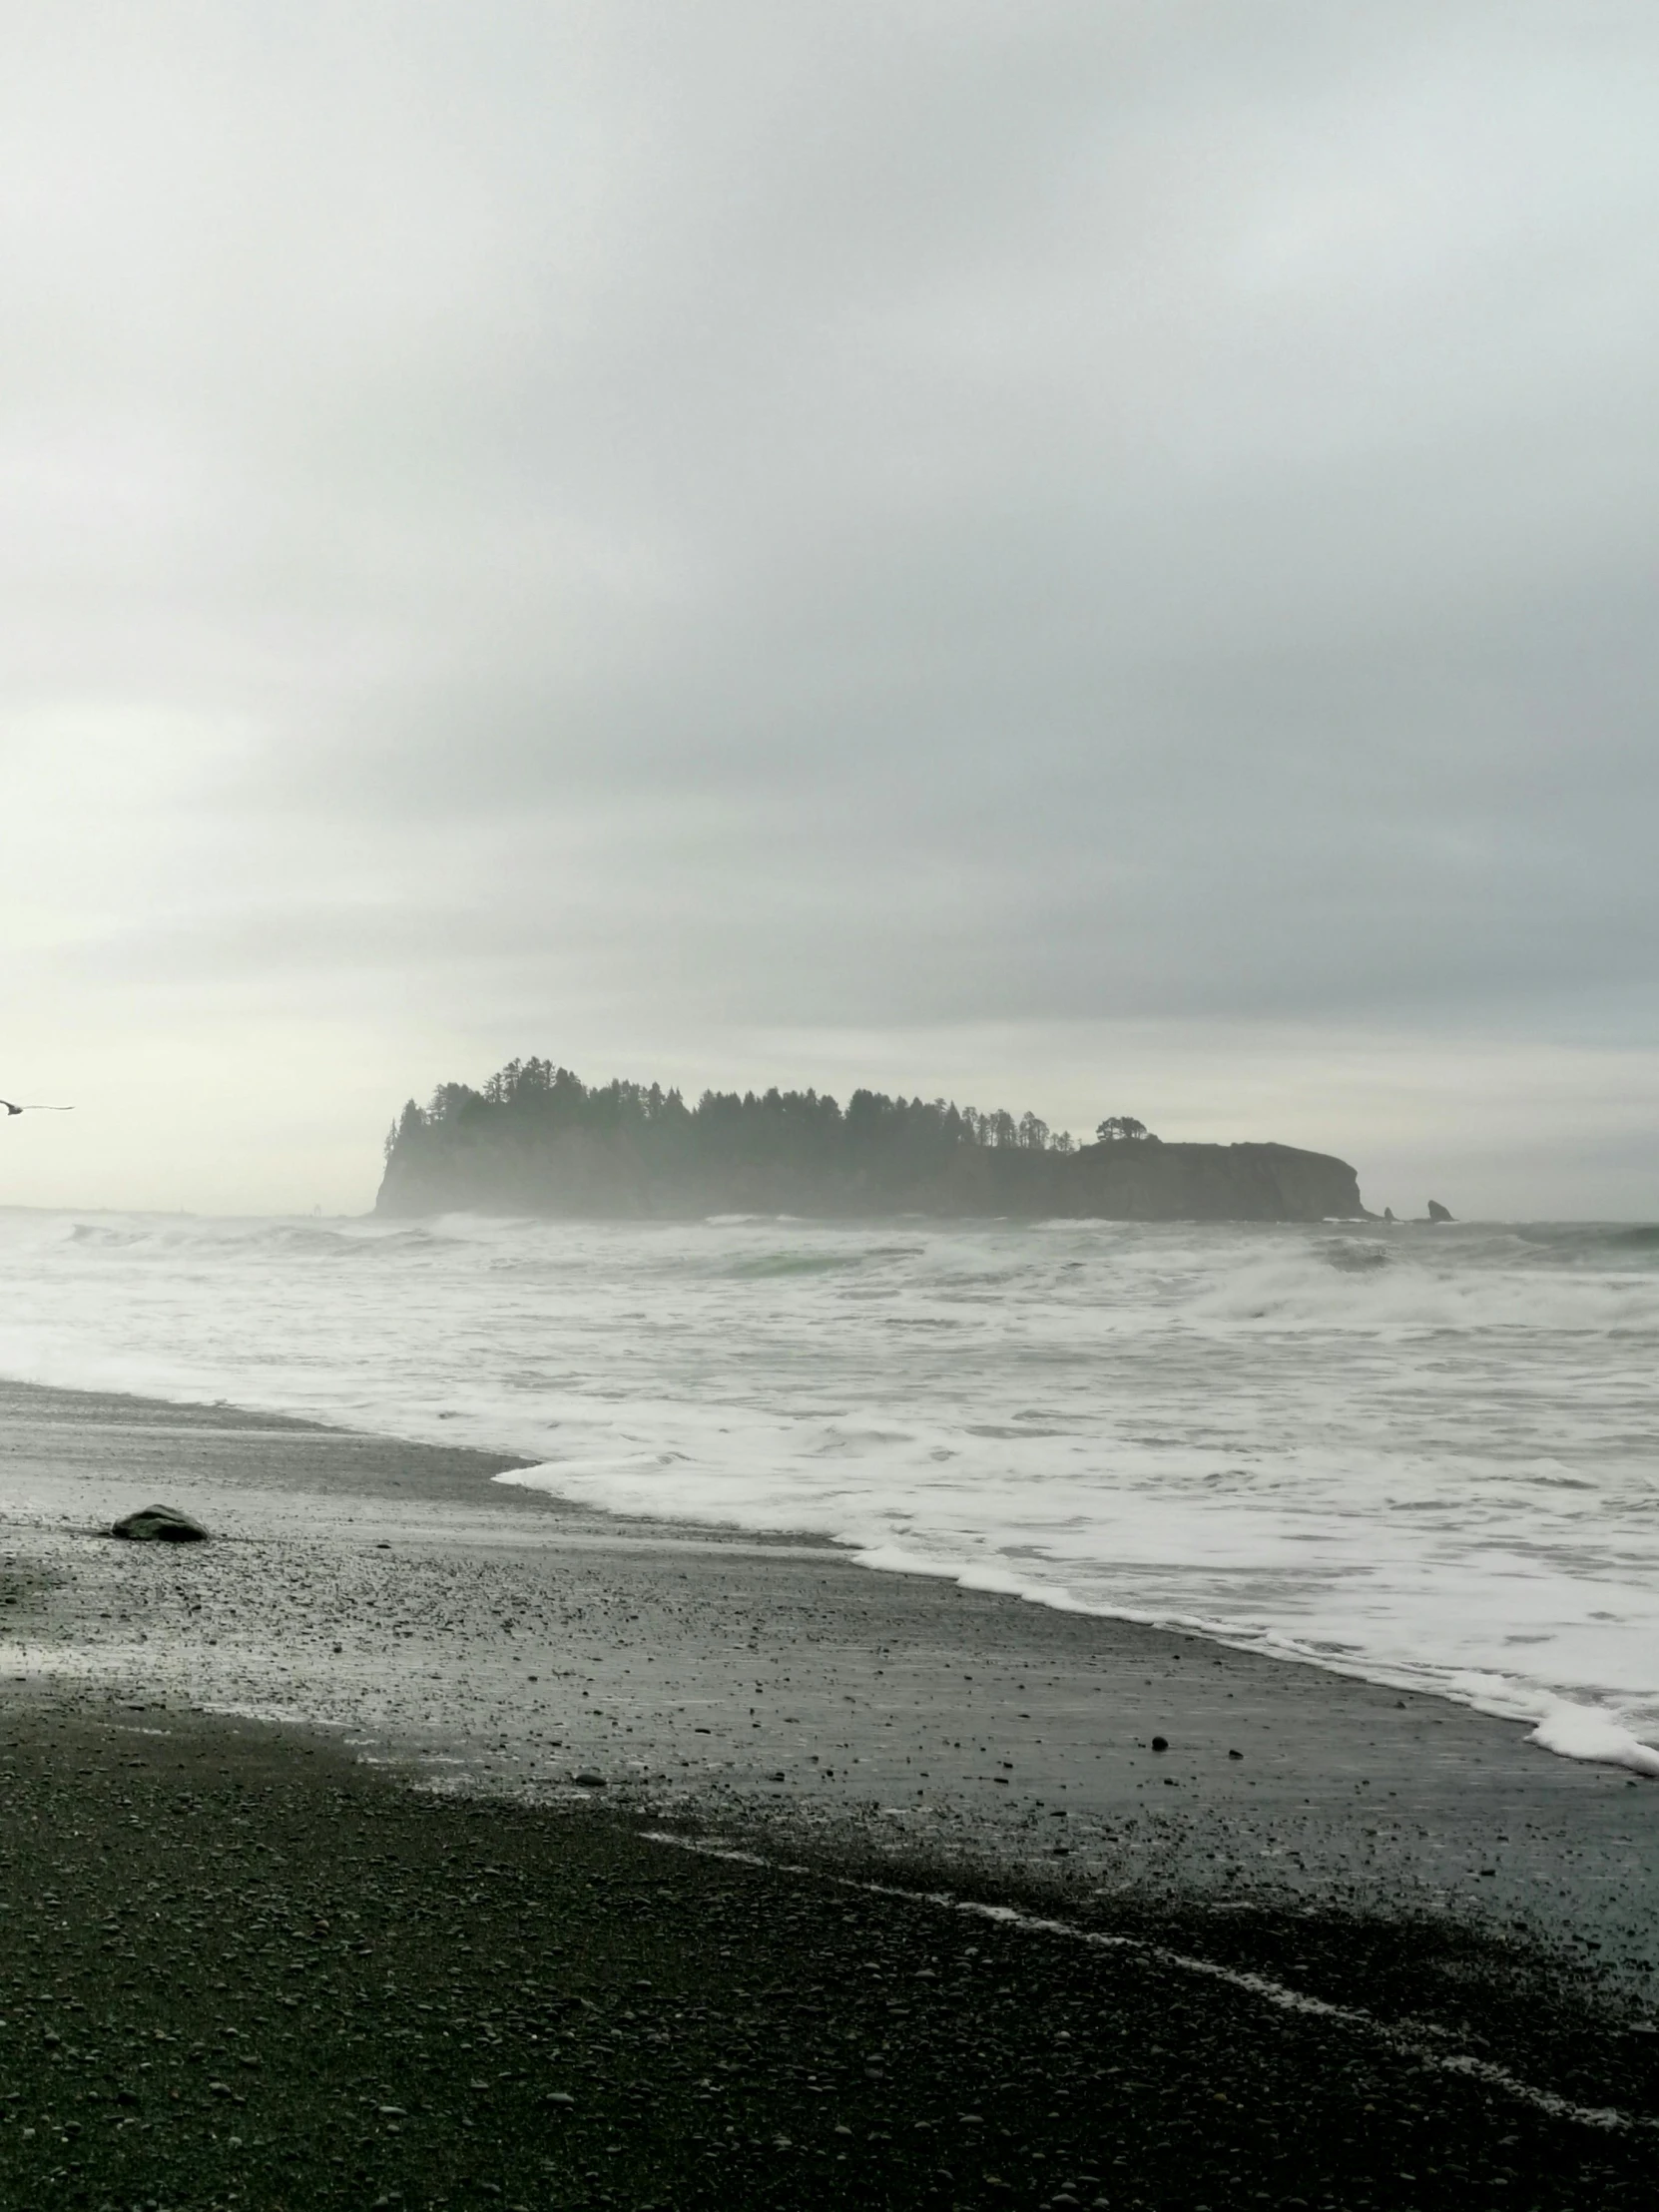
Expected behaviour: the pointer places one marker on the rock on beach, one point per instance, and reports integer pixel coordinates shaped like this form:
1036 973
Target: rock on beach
159 1524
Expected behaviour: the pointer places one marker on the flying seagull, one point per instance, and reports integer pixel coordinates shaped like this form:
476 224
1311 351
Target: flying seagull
11 1109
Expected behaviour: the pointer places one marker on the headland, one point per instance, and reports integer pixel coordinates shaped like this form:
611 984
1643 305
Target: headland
538 1140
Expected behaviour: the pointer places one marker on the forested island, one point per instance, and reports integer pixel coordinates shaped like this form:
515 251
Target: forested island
538 1140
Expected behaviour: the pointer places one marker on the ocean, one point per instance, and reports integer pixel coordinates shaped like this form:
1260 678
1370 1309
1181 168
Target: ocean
1425 1456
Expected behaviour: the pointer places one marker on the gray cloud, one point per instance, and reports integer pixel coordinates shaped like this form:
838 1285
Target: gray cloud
829 519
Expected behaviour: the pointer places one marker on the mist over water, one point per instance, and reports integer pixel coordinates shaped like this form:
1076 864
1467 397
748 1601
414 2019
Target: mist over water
1424 1456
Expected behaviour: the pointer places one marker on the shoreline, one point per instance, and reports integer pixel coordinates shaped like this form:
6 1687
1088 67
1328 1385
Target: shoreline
404 1648
1306 1500
1613 1744
494 1638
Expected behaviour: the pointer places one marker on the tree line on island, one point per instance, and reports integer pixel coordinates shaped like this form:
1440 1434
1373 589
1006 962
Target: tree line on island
537 1138
535 1094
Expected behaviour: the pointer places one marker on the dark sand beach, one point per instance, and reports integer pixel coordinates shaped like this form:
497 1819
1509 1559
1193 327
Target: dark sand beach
305 1904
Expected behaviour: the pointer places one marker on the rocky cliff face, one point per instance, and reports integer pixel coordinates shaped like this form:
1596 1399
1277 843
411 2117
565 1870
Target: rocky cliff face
583 1174
1214 1182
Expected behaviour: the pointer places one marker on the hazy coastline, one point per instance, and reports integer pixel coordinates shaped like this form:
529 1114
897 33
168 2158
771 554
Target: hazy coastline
1007 1561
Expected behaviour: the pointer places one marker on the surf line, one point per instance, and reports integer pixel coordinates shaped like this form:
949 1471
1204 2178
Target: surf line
1273 1992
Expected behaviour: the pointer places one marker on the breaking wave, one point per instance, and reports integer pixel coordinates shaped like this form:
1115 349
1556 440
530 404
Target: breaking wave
1425 1456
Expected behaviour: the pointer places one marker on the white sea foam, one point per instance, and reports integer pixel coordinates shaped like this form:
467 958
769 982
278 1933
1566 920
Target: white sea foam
1427 1457
1580 1732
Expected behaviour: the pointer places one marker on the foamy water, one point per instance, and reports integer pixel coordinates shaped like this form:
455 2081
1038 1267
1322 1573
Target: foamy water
1431 1457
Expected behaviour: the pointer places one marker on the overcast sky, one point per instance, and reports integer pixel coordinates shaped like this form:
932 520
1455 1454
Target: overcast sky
1095 557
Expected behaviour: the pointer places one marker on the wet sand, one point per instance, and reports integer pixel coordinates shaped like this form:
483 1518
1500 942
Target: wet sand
1396 1856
